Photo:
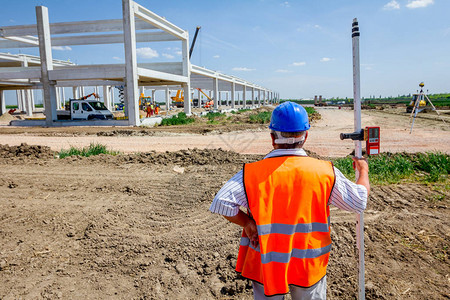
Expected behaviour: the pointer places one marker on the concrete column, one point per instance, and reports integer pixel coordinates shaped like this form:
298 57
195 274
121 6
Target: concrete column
81 91
167 100
244 96
96 90
259 97
238 99
74 92
131 77
216 93
29 107
63 98
187 73
33 105
112 96
19 100
153 96
199 96
2 103
253 96
233 94
187 97
226 100
58 98
106 97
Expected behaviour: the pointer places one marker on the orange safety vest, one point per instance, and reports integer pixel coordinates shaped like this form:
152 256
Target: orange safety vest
288 199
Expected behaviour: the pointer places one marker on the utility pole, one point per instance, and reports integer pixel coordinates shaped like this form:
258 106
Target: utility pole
358 153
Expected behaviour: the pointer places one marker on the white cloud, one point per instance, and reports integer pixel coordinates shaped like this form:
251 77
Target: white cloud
178 52
146 52
243 69
299 64
216 56
116 58
368 67
285 4
169 56
419 3
325 59
317 26
62 48
391 5
283 71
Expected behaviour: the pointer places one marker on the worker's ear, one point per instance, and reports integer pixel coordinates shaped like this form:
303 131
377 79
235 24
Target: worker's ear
272 135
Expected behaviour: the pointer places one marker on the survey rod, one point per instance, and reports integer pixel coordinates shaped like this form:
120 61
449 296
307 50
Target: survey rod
358 153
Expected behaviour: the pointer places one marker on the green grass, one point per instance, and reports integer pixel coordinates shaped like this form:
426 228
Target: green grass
93 149
260 118
240 111
179 119
310 110
389 168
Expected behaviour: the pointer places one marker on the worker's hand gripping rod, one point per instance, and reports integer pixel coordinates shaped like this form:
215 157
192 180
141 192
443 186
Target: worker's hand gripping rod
357 136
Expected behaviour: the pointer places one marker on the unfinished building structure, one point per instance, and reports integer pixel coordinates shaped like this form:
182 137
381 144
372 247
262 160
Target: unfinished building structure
137 25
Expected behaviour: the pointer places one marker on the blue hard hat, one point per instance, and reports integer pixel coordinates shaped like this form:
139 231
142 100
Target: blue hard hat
289 117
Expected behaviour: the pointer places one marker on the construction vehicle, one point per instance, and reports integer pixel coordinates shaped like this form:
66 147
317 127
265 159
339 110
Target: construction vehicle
208 104
179 98
83 109
144 101
92 94
319 102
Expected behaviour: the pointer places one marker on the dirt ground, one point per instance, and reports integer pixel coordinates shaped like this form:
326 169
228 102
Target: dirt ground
429 133
137 226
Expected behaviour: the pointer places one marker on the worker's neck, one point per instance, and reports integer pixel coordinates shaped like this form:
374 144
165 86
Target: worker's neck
286 146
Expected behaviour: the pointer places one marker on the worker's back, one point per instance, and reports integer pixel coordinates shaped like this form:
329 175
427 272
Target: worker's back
288 199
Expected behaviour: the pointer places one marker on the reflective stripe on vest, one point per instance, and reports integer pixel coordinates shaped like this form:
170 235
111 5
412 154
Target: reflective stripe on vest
288 199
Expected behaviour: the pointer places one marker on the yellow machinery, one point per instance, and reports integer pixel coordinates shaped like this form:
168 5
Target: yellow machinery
178 100
144 101
208 104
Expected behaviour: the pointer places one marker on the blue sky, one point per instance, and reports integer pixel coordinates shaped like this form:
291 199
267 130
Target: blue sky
299 48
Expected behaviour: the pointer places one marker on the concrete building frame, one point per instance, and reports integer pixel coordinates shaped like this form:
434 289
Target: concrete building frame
138 24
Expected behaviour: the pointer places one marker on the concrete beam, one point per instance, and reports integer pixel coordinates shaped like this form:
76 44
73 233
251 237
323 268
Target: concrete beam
72 27
158 21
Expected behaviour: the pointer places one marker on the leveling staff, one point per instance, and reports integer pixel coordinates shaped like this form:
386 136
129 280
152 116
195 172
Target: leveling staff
286 242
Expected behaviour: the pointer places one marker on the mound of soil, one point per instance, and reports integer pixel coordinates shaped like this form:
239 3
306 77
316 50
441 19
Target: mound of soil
120 133
184 157
7 117
24 150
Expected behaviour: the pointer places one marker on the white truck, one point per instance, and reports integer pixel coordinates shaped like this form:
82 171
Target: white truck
81 109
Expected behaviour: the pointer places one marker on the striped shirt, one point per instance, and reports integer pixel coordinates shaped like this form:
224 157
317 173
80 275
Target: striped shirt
345 195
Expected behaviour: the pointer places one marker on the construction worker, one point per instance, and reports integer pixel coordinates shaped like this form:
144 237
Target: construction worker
156 109
149 111
285 243
152 109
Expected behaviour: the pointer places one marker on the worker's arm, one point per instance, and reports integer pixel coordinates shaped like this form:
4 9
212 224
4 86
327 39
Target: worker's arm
249 225
363 169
